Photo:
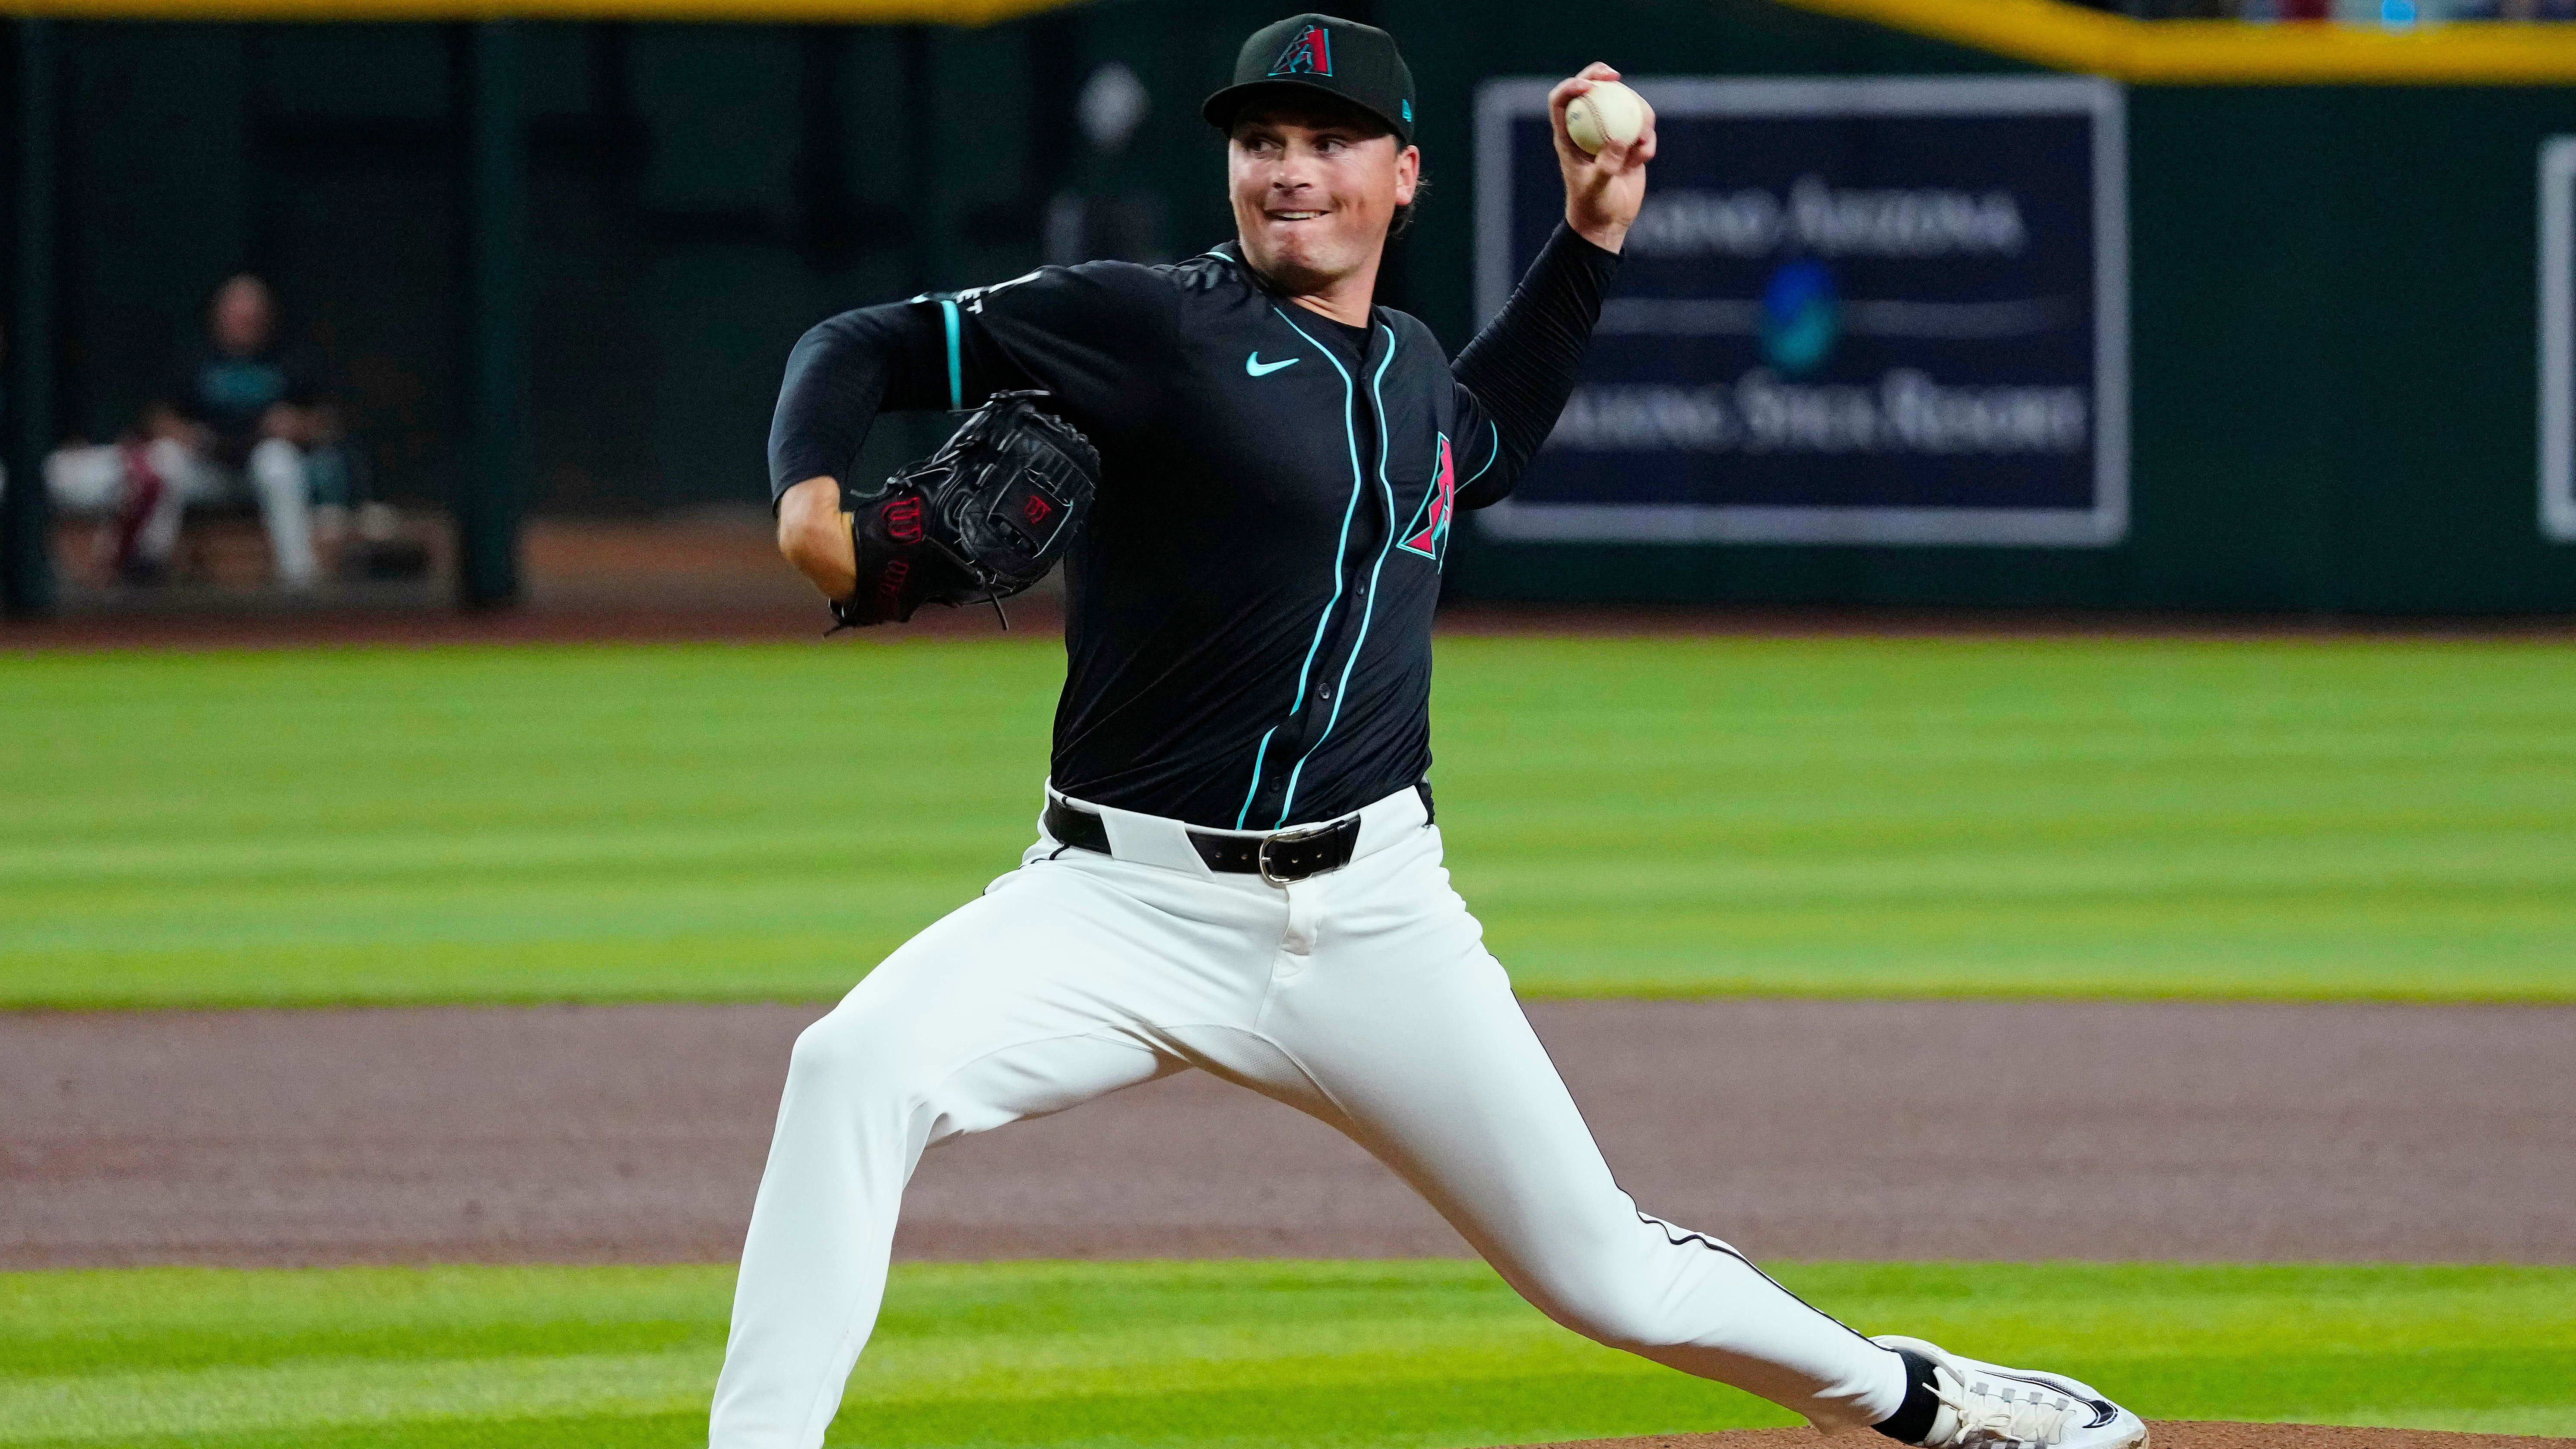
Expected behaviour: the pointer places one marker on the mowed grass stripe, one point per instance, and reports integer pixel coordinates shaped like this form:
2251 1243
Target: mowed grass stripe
1199 1354
2392 819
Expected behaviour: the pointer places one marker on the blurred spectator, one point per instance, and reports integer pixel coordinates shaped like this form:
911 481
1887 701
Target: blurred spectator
1106 215
245 416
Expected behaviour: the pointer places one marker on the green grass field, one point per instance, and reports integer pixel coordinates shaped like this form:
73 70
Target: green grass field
2130 818
2135 818
1201 1355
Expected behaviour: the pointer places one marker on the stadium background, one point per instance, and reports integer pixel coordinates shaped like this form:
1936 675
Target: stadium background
556 262
2152 961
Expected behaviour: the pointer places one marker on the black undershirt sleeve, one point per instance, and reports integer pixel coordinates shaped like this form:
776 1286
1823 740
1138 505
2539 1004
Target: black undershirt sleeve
1086 333
1521 368
844 372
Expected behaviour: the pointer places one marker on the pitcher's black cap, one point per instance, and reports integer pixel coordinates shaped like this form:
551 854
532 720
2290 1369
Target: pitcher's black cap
1342 58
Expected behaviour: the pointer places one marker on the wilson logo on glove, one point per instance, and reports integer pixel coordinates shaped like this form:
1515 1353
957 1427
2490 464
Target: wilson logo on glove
982 519
903 519
890 584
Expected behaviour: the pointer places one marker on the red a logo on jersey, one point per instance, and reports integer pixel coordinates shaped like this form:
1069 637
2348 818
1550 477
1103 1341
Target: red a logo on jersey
1429 531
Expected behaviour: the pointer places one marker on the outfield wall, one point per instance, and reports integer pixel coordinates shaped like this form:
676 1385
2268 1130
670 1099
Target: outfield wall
2335 399
2334 348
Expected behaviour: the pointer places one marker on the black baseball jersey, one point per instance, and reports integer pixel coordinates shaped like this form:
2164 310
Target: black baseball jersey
1249 606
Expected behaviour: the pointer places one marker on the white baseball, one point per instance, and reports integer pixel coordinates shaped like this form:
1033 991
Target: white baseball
1607 112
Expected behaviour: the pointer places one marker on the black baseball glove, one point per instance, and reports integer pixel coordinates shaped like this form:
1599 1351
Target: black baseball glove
982 519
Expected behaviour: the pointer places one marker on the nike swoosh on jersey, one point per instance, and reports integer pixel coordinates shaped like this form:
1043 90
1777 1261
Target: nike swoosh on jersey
1253 364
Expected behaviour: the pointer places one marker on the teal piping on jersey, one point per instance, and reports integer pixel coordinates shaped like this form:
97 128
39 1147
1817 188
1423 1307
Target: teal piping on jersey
1258 756
1350 400
956 372
1489 457
1368 610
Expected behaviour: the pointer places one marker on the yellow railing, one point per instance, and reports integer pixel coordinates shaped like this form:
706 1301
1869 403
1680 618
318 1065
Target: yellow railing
2052 33
2226 52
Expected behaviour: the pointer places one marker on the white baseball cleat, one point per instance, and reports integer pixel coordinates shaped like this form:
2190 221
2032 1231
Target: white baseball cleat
1986 1406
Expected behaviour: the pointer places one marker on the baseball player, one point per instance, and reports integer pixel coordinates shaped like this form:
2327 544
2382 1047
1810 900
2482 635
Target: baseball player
1236 868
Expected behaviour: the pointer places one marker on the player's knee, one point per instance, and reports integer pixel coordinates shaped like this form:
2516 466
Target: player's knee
277 464
85 479
1610 1303
848 1055
170 458
1628 1322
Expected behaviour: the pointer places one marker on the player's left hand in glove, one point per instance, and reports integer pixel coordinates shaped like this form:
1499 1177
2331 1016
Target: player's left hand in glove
982 519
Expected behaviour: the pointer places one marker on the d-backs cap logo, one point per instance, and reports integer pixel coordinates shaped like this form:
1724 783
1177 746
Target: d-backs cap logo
1309 52
1437 504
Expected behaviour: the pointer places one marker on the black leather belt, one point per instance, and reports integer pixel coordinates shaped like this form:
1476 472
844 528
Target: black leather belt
1278 858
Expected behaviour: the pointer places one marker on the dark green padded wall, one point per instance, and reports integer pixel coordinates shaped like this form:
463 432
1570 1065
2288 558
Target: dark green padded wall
2332 288
2336 349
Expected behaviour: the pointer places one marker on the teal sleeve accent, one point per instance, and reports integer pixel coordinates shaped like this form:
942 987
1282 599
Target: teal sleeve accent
956 369
1489 457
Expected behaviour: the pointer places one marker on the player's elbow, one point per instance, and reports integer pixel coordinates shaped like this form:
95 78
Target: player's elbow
1492 485
814 535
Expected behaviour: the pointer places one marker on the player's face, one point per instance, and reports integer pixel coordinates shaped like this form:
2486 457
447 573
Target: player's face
1313 193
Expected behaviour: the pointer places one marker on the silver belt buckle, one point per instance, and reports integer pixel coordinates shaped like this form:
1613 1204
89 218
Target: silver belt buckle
1261 854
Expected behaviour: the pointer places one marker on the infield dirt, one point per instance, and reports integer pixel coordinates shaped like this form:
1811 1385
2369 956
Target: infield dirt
1798 1129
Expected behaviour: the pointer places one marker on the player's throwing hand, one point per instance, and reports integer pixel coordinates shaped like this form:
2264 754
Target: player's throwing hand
1603 191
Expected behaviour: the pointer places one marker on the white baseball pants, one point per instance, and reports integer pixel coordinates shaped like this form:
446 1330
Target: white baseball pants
103 478
1362 996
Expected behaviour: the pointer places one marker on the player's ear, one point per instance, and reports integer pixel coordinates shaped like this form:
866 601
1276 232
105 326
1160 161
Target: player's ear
1408 174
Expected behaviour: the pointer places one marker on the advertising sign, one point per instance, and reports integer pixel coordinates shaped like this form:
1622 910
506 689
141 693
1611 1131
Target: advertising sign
1866 311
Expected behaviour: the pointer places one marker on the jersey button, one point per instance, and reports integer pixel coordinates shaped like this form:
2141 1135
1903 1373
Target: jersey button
1325 692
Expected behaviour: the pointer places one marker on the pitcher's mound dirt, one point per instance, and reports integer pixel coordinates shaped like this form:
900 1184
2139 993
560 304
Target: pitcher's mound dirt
2161 1434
